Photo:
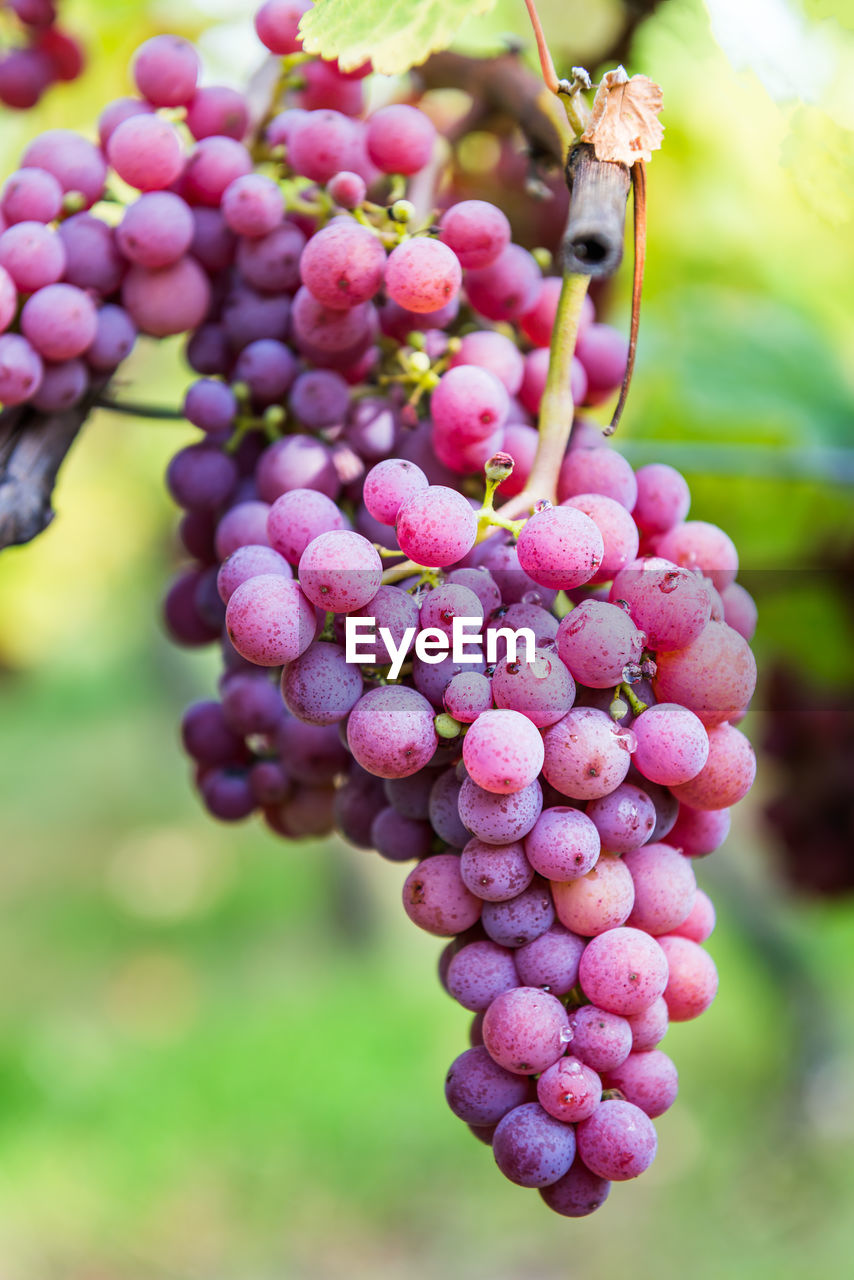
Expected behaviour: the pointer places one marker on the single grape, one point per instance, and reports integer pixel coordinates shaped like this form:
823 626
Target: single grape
600 900
507 287
495 873
578 1193
699 831
247 562
252 205
503 751
663 498
665 887
343 265
515 921
166 69
400 138
422 274
146 152
692 983
601 470
560 548
618 1141
672 745
169 300
480 972
269 620
714 676
481 1092
597 642
217 109
435 898
525 1030
550 961
623 970
499 819
531 1148
390 731
436 526
569 1090
563 844
585 754
649 1026
60 321
600 1039
320 686
399 839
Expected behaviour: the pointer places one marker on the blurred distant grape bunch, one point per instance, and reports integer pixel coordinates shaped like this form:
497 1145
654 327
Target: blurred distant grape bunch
35 52
386 390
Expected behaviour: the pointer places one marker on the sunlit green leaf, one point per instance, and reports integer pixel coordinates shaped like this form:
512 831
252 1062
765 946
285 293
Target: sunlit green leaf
394 34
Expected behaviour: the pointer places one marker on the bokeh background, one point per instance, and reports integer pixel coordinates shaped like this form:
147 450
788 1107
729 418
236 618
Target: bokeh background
221 1057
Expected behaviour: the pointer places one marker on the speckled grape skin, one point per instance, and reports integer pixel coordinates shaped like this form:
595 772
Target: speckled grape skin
480 972
481 1092
625 818
693 981
623 971
617 528
495 873
269 620
498 819
597 641
399 839
435 898
560 548
320 686
542 690
525 1030
727 775
467 696
436 527
518 920
663 498
599 470
585 757
714 676
422 274
249 562
521 614
481 582
671 744
563 845
600 1039
390 732
618 1142
388 485
444 809
433 678
696 544
649 1026
671 606
503 752
531 1148
296 518
469 404
393 609
699 924
550 961
649 1080
665 887
569 1090
600 900
578 1193
340 571
446 602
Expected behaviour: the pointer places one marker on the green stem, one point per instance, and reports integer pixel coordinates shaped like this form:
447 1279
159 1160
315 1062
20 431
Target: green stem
633 700
557 407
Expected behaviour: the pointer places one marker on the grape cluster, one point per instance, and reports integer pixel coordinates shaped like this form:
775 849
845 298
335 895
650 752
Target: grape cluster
46 54
366 363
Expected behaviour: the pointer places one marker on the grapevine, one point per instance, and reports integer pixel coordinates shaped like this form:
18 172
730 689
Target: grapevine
385 386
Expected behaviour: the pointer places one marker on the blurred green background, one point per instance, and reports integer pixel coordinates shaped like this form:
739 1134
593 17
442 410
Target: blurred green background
222 1057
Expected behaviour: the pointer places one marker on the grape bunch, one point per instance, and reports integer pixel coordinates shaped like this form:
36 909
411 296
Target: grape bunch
382 472
45 55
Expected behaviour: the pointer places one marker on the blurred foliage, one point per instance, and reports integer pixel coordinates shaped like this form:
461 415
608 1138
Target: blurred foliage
222 1057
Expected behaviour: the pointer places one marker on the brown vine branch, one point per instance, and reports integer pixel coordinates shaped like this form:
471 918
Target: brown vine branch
639 188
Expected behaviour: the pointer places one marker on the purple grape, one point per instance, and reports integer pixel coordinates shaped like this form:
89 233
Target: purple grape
625 818
410 797
569 1090
30 195
727 775
76 164
531 1148
247 562
649 1026
507 287
207 737
319 398
296 462
624 970
563 844
166 69
477 231
663 499
648 1080
59 320
499 819
600 1039
560 548
251 704
227 794
156 230
550 961
503 751
479 972
217 109
444 811
400 139
21 369
62 386
618 1142
115 337
519 920
435 898
480 1092
170 300
200 476
400 839
600 470
277 24
436 526
578 1193
92 259
33 255
244 524
319 686
390 731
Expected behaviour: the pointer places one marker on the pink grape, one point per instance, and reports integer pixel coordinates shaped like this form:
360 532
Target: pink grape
436 526
648 1080
477 231
604 353
563 844
269 620
390 732
277 24
62 386
30 195
597 641
670 605
650 1026
714 676
146 152
435 898
727 775
469 403
578 1193
252 205
166 69
550 961
598 901
601 470
296 462
499 819
665 887
156 230
75 162
625 818
699 924
445 603
270 263
248 562
585 754
320 686
495 873
542 690
32 254
212 166
507 287
696 544
8 299
693 979
531 1148
217 109
569 1090
169 300
560 548
297 517
672 745
400 138
479 1091
60 321
503 751
538 323
623 970
600 1039
618 1142
422 274
740 611
467 696
479 972
343 264
525 1030
492 351
617 528
340 571
243 524
699 831
663 498
321 144
536 373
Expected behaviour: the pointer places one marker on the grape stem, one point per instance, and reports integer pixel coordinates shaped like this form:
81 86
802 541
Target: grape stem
633 700
557 407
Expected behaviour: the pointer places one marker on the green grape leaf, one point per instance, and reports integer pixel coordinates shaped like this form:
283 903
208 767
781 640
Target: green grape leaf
394 34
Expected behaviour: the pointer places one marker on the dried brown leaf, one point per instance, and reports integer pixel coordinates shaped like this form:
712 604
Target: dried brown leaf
624 125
